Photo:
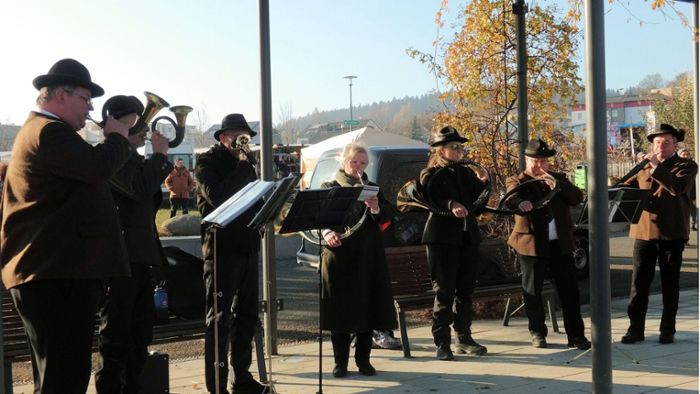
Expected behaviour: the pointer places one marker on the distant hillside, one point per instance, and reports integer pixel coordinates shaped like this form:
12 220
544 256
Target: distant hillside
410 116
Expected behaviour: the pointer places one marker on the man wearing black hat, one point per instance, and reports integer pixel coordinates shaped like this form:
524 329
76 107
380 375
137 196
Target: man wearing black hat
126 315
60 233
661 232
544 241
221 172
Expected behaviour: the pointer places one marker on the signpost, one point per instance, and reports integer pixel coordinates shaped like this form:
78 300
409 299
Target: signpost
351 122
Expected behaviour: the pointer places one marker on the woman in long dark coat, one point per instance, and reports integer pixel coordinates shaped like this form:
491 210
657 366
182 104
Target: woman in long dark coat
452 243
356 288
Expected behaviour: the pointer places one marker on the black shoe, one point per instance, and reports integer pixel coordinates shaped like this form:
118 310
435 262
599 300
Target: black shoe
367 369
632 337
666 337
467 345
249 387
340 370
581 343
444 353
539 341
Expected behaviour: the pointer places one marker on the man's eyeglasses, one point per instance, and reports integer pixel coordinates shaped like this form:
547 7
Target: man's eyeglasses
87 100
457 147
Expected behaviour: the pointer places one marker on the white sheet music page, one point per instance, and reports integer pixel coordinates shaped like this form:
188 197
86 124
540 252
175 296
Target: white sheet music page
368 191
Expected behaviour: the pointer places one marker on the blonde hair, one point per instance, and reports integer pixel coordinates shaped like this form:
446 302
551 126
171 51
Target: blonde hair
351 150
436 158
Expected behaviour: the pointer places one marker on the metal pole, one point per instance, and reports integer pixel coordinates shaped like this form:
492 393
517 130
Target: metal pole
268 249
696 96
519 10
350 78
598 196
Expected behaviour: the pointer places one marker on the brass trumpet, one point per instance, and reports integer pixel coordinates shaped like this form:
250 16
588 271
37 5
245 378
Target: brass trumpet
242 142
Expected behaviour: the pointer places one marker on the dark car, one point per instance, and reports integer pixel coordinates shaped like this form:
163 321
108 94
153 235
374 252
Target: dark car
390 167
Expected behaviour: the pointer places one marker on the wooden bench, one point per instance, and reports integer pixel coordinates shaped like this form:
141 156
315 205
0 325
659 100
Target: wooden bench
16 346
412 288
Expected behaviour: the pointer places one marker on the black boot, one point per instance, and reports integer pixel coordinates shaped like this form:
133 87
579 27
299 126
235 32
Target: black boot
363 348
467 345
341 353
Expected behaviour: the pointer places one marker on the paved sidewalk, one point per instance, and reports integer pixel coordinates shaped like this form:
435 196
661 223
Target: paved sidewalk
511 366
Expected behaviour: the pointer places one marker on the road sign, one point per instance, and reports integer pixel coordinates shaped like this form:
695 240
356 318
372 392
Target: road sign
351 122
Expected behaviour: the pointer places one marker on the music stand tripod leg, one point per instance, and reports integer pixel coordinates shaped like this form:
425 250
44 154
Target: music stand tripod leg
215 300
320 314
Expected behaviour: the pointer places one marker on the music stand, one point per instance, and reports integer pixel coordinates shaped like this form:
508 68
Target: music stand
317 209
625 205
269 211
219 218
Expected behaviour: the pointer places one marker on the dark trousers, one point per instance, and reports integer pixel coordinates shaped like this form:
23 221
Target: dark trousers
560 270
59 320
341 347
126 330
453 271
237 284
182 203
669 255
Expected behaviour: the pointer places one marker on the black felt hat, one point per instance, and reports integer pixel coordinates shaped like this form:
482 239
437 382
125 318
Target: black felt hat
538 149
68 72
118 106
234 122
446 135
666 129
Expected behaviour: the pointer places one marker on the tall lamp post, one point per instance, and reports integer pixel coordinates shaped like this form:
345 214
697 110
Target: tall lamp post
350 78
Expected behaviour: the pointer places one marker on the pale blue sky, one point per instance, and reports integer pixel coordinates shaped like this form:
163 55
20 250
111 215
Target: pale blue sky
206 53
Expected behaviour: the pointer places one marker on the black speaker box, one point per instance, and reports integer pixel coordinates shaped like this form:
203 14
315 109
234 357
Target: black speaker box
155 378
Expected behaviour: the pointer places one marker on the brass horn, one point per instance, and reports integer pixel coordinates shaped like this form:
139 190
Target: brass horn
181 112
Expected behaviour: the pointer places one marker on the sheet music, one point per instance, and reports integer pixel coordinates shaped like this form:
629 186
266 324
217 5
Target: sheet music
237 204
368 191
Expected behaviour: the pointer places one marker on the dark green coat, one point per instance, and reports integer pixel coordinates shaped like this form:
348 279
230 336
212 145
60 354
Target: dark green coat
356 286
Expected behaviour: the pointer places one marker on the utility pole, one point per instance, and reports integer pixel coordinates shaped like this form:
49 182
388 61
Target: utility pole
350 78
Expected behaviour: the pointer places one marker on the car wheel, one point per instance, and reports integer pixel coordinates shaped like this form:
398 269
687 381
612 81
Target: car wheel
581 255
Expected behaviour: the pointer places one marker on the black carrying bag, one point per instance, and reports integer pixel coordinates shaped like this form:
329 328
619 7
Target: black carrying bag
184 283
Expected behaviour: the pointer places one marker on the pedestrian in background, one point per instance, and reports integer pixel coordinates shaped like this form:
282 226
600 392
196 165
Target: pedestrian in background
179 183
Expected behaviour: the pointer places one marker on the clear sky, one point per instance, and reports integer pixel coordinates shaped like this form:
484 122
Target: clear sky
206 53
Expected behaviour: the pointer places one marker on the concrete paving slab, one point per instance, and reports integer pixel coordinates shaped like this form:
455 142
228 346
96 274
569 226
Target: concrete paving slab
511 366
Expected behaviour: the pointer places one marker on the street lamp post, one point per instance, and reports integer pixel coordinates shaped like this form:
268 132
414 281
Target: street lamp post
350 78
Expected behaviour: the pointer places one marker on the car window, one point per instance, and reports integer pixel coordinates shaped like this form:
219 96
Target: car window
396 171
324 171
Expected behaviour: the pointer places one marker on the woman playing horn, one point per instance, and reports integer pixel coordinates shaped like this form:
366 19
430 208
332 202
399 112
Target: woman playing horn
452 242
356 289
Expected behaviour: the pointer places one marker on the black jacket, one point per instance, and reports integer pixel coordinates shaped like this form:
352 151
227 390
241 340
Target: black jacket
219 176
452 184
137 193
356 284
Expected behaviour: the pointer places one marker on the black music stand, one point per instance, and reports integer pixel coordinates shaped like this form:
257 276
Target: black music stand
219 218
625 205
317 209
